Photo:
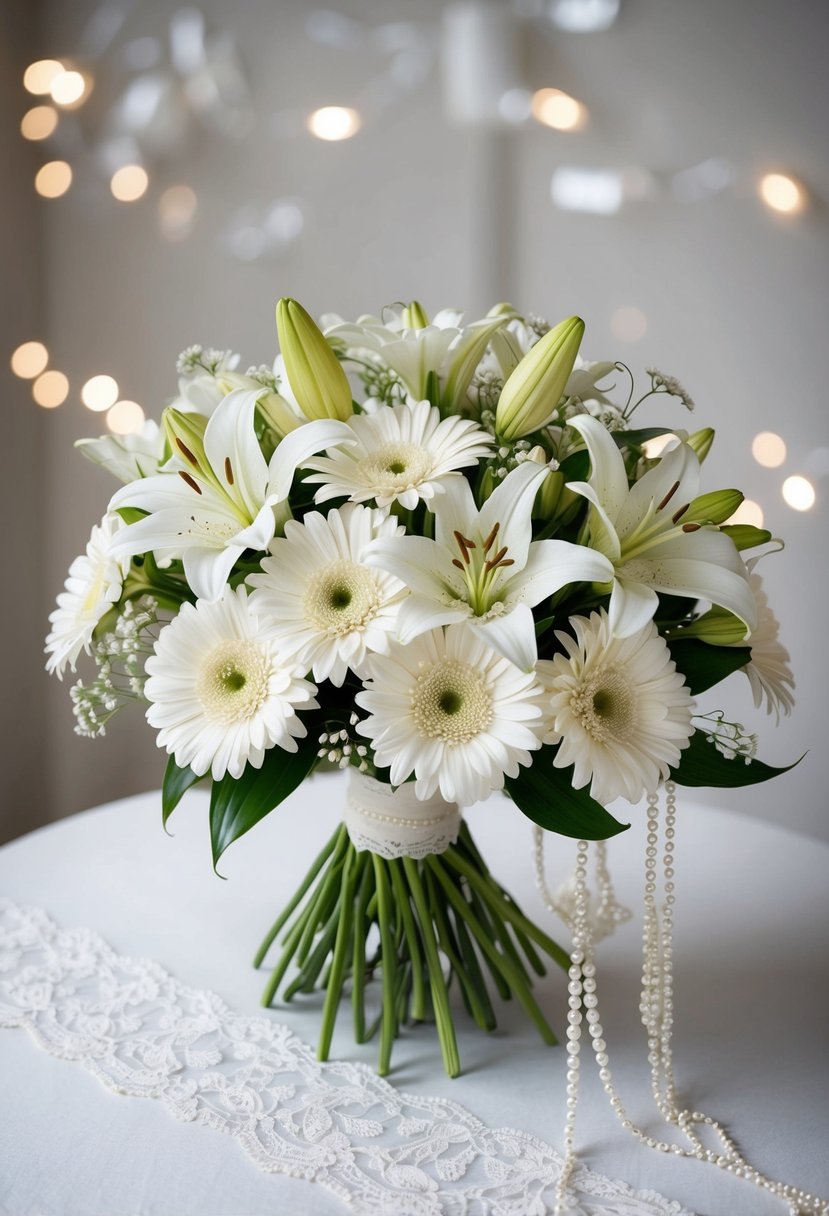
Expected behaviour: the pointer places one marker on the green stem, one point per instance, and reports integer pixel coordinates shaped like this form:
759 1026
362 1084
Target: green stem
337 970
472 999
440 1000
508 911
388 1028
298 895
404 909
358 963
511 973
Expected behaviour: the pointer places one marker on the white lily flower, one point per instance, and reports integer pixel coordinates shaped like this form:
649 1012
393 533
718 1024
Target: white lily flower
483 566
209 511
127 457
444 346
643 531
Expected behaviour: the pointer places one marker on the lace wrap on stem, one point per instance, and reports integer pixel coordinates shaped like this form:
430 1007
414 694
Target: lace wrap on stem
394 823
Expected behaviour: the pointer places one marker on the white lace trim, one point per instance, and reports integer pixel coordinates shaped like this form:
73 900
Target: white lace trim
394 822
142 1033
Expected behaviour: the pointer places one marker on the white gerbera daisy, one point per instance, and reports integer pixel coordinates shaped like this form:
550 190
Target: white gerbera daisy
618 707
768 671
452 711
326 608
221 693
402 453
92 587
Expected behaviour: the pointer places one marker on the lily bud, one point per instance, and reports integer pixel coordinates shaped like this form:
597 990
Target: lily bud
531 395
314 373
414 316
547 498
701 442
278 414
717 627
713 508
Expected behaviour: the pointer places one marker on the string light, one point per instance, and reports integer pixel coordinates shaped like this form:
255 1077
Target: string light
799 493
782 193
29 360
125 418
334 123
39 122
50 389
558 110
129 183
38 76
53 179
768 449
99 393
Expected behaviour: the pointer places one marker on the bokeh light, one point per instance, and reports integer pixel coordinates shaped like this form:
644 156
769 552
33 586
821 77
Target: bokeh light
768 449
176 212
798 493
39 122
38 76
125 418
51 389
748 512
334 122
129 183
29 360
558 110
99 393
53 179
782 193
628 323
68 88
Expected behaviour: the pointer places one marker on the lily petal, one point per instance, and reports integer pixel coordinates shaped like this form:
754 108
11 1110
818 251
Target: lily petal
422 564
297 446
679 467
603 535
553 564
632 605
455 511
512 635
419 613
699 580
232 448
510 506
207 570
607 473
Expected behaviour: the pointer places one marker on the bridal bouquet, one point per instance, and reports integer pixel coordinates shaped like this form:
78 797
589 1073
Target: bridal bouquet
443 556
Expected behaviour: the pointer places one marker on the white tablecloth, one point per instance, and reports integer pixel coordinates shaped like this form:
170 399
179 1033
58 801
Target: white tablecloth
751 1023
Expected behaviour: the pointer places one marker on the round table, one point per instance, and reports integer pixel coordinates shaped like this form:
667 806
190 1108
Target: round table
751 1039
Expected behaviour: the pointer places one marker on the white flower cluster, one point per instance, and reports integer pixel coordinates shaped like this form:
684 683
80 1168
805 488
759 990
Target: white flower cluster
481 583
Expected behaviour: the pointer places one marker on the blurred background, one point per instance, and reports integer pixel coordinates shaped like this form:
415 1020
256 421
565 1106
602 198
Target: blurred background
658 167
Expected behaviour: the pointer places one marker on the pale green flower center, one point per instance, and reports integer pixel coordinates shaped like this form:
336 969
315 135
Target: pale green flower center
451 701
397 466
341 597
605 705
233 682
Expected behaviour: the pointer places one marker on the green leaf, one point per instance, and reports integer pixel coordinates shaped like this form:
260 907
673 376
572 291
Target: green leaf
237 804
642 435
576 466
177 781
704 665
746 536
545 794
702 764
130 515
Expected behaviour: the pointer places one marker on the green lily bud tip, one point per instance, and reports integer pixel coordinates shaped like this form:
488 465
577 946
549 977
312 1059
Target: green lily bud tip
314 373
531 395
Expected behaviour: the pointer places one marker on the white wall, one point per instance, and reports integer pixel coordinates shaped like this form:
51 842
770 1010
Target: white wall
735 298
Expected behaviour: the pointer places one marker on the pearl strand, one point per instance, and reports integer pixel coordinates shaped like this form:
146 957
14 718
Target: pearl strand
656 1009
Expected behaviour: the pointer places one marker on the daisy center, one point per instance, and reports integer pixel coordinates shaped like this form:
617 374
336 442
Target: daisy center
233 682
341 597
605 704
451 701
397 466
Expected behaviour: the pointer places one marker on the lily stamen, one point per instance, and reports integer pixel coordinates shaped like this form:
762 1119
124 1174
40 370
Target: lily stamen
490 540
668 496
677 516
192 483
228 471
185 451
